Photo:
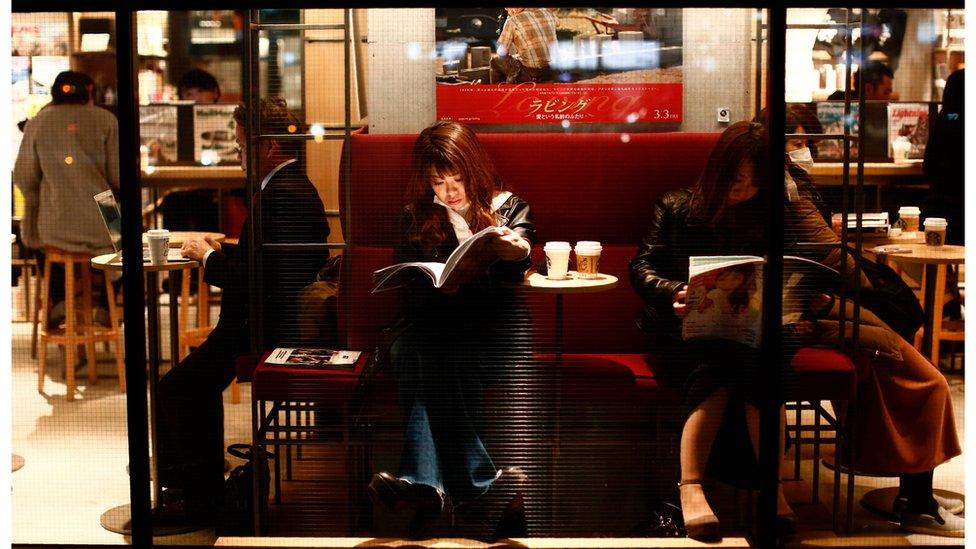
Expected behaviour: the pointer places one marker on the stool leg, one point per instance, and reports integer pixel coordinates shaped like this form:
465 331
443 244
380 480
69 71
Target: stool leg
38 281
27 269
89 326
71 328
940 284
235 391
41 347
113 316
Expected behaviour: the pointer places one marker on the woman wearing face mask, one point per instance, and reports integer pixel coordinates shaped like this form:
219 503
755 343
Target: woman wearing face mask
455 338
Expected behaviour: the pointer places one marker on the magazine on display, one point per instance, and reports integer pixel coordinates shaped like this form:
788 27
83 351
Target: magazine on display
909 121
725 295
831 117
325 359
402 274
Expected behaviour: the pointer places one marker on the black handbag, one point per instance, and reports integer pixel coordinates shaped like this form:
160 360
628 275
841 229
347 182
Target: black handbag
235 515
891 300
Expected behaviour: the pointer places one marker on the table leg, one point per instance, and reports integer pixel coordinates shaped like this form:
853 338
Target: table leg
929 304
174 319
152 309
937 305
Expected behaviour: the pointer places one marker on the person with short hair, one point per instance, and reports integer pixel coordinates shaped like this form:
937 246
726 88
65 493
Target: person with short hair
69 153
191 420
199 86
523 46
878 81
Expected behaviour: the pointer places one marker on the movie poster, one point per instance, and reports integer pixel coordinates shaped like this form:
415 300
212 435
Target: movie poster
559 65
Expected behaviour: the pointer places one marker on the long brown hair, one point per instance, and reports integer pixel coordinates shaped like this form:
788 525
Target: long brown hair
442 150
739 142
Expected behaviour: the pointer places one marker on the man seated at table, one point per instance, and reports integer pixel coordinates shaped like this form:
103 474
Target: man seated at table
191 422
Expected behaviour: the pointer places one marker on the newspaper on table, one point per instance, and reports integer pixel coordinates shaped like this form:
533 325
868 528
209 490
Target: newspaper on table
725 295
305 357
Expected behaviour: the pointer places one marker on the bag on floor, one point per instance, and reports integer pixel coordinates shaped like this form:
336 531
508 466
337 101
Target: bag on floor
235 515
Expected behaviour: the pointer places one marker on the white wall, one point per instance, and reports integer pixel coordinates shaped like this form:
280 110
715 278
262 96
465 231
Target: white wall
400 93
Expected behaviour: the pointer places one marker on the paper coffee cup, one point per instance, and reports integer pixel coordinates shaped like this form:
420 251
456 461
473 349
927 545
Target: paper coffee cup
935 231
908 216
588 258
557 259
158 241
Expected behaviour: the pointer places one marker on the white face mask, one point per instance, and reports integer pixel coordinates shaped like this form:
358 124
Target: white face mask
802 159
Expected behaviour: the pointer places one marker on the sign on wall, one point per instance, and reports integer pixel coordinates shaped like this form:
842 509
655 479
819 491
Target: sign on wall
559 65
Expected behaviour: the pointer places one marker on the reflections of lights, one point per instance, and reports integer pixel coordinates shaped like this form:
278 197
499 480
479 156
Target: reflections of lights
69 160
414 51
565 124
632 117
454 51
316 129
625 138
584 53
209 158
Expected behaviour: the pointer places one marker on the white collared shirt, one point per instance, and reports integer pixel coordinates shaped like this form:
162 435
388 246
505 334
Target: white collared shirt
461 228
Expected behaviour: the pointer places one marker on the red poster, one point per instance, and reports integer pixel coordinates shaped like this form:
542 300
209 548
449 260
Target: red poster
532 102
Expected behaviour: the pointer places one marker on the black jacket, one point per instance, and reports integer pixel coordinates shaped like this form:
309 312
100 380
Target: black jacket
291 212
482 296
660 267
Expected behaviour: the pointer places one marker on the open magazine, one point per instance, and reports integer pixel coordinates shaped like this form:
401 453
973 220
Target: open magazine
725 295
402 274
327 359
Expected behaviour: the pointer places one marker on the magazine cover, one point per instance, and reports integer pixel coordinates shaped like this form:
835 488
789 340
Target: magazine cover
724 299
831 117
313 358
213 134
909 120
158 132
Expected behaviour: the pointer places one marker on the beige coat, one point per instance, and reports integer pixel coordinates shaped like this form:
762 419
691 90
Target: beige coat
69 154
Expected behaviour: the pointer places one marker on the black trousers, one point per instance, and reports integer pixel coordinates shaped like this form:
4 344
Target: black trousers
191 414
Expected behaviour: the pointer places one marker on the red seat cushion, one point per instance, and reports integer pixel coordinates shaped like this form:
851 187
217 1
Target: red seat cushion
822 374
279 383
611 376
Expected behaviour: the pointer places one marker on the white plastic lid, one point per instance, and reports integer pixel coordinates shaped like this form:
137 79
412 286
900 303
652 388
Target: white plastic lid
158 232
588 246
909 210
935 222
557 245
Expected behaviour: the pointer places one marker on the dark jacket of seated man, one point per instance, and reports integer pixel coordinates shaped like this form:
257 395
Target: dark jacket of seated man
191 422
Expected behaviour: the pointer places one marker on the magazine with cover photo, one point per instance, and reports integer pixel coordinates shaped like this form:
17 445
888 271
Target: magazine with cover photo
725 295
326 359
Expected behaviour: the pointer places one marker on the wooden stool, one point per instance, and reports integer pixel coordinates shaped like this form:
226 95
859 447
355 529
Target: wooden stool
193 336
73 334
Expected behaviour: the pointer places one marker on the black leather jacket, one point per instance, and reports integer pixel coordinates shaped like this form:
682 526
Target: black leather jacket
484 298
660 267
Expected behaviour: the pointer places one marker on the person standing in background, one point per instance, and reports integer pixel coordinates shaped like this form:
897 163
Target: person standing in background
69 153
523 46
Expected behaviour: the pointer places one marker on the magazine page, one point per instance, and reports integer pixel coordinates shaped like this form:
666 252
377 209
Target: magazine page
402 274
831 117
476 240
910 122
313 358
724 299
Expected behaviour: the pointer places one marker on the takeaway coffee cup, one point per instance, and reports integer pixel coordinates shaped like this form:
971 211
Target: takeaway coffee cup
935 231
557 259
158 240
908 216
588 258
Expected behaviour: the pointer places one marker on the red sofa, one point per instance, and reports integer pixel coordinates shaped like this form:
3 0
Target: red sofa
580 186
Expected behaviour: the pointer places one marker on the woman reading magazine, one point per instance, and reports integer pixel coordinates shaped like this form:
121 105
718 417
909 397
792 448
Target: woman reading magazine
724 215
455 336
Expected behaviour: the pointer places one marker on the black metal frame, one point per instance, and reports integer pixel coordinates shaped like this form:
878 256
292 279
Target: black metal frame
131 219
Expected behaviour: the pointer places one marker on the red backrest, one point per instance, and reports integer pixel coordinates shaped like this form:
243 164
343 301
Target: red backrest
580 186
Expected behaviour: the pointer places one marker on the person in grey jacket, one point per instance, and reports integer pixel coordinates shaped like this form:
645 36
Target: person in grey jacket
69 153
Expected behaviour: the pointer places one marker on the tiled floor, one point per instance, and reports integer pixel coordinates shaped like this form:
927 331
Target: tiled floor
76 456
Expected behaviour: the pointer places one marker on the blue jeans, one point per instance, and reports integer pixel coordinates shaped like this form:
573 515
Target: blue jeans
438 371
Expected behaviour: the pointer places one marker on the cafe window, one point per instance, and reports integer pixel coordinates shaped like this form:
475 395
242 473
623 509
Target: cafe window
308 151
